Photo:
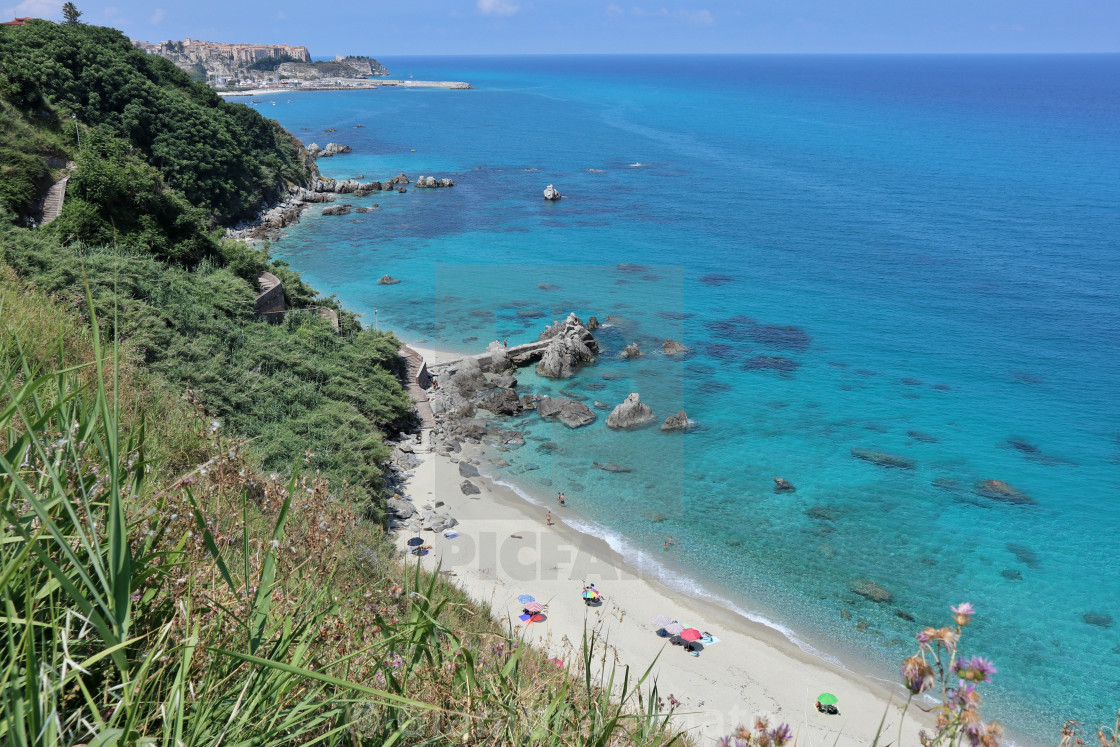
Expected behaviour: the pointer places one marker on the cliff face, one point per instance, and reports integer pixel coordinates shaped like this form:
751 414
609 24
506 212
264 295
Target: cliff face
341 67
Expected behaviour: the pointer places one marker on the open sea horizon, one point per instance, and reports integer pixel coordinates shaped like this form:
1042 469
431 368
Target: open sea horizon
914 255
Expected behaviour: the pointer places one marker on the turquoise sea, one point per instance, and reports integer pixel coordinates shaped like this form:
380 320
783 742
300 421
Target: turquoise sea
918 255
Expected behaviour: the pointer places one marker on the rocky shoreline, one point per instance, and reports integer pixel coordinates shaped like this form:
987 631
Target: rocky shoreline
272 218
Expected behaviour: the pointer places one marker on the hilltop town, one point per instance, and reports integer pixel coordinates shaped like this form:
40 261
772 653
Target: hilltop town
224 65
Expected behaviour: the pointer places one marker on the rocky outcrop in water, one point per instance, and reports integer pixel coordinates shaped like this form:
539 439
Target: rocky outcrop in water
571 346
678 422
387 280
632 413
631 351
332 149
337 209
551 193
672 347
430 182
569 412
783 486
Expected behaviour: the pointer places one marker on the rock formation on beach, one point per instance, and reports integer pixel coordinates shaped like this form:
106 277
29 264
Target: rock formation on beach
632 413
571 346
551 193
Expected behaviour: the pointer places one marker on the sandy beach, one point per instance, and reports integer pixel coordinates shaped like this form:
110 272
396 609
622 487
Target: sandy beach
503 549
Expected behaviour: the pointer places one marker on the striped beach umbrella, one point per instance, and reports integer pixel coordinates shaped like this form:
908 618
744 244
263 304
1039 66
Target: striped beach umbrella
533 607
661 621
674 628
591 594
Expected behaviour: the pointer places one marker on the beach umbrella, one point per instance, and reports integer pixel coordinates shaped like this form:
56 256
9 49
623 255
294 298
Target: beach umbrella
533 607
661 621
691 634
537 618
526 598
416 542
591 594
827 699
674 628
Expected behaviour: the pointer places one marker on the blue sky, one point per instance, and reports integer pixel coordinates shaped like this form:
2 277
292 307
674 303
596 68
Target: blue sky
416 27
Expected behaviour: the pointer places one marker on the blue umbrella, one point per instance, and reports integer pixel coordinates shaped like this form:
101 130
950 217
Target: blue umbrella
416 542
526 598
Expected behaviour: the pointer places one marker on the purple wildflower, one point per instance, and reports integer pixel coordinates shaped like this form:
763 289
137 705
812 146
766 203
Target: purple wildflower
779 735
963 613
975 669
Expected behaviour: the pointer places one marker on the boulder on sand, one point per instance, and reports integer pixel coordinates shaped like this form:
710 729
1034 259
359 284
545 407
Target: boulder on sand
632 413
466 469
402 508
678 422
469 488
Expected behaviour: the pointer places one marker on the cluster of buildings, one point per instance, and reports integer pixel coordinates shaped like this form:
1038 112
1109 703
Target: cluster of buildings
225 64
17 22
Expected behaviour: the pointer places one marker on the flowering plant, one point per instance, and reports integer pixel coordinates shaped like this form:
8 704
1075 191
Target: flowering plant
938 663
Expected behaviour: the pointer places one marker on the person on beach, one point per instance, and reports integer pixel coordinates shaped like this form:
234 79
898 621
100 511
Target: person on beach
548 518
435 384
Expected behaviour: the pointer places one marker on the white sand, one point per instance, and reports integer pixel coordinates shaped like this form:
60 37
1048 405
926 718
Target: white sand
752 670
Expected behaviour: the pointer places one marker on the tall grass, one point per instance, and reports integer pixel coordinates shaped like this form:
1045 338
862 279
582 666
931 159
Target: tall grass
150 601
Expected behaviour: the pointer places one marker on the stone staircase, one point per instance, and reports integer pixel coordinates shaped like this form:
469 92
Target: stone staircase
56 196
417 382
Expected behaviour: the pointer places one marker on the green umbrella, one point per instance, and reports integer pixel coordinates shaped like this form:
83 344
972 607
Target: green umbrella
827 699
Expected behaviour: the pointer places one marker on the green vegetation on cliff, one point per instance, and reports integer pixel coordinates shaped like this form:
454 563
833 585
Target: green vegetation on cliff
163 164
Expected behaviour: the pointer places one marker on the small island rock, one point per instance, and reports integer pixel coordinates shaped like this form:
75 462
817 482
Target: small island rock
632 351
551 193
632 413
783 486
678 422
387 280
672 347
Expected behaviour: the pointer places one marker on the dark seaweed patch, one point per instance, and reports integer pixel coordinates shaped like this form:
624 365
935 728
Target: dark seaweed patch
715 280
789 338
770 363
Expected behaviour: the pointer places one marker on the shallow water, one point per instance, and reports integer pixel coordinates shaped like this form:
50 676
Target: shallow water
916 255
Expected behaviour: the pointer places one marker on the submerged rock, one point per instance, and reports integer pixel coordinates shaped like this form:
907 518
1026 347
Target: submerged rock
632 413
998 490
1098 619
678 422
611 467
870 590
883 459
783 486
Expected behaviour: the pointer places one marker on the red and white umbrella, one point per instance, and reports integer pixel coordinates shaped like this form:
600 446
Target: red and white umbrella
532 607
691 634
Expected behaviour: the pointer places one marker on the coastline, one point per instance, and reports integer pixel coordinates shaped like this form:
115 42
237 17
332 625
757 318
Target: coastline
504 549
355 85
